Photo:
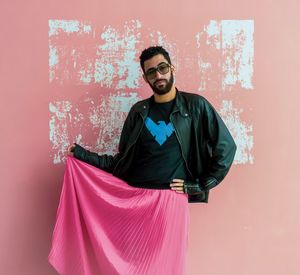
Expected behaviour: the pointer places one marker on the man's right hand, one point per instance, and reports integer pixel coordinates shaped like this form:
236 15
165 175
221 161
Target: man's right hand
70 149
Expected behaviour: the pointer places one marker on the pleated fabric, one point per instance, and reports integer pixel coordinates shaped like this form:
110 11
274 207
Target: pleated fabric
105 226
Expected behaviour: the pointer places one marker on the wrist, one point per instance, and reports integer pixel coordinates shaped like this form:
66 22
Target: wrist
192 187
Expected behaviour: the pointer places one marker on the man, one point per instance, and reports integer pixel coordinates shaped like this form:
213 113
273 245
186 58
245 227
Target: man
172 140
173 149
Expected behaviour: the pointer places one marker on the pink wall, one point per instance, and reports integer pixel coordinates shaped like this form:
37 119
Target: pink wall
54 91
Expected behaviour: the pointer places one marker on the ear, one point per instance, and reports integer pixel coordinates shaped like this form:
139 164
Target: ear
173 68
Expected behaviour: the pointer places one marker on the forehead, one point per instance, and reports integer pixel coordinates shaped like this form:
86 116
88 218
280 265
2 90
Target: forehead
154 61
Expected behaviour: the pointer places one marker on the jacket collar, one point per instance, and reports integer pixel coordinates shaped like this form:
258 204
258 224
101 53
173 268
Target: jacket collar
179 106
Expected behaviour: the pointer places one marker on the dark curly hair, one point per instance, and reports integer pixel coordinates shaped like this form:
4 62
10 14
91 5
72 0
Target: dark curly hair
152 51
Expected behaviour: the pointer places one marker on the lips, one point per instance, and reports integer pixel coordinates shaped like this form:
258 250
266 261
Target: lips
160 82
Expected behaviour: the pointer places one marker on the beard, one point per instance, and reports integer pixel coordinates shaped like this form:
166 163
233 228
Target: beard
164 89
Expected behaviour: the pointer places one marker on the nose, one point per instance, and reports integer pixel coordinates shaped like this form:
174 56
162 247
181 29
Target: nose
158 75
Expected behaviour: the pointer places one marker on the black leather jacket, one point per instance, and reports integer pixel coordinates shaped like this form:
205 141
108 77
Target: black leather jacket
207 147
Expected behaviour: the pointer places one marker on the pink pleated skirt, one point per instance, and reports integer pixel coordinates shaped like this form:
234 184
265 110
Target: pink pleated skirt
105 226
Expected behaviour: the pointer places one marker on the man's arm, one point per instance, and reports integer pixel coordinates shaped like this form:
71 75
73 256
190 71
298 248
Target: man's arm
104 162
222 145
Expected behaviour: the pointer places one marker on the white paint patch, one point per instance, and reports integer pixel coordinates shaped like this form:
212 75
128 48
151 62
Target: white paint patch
53 61
116 61
208 42
242 133
67 26
60 52
227 47
78 139
205 69
108 118
238 52
158 38
213 34
58 125
111 62
86 74
103 121
110 59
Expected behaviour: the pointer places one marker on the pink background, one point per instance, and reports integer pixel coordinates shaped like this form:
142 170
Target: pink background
251 224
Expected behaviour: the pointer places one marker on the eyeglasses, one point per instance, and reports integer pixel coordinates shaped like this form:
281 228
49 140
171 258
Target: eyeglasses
162 68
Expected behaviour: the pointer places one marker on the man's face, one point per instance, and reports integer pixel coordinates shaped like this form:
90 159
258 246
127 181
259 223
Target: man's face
160 83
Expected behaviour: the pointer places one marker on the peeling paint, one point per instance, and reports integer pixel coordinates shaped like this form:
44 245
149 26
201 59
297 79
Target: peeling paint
58 125
226 52
117 57
103 120
86 74
53 61
213 30
238 52
78 138
112 60
53 57
159 38
108 118
67 26
241 132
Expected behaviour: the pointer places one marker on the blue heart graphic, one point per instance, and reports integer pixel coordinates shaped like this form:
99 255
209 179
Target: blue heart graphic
160 131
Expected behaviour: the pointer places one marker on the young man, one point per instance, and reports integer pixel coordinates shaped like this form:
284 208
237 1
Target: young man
172 140
173 149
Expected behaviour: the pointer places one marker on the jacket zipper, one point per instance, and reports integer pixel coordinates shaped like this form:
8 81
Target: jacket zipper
180 145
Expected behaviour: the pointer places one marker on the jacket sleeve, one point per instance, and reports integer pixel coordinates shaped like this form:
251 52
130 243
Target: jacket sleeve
192 187
106 162
221 144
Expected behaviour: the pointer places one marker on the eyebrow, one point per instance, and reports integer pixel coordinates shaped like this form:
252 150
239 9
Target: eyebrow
163 62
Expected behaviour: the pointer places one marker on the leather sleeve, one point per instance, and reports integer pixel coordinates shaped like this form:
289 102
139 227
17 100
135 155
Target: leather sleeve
192 187
104 162
222 146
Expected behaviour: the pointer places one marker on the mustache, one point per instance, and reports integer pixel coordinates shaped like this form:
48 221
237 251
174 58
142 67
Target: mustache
159 81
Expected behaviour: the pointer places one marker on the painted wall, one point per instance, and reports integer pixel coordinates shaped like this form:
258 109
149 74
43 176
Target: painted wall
70 72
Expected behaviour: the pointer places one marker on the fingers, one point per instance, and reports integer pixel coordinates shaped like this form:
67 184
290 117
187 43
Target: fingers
178 180
177 185
70 149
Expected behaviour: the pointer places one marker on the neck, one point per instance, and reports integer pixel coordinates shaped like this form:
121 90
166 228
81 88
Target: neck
165 97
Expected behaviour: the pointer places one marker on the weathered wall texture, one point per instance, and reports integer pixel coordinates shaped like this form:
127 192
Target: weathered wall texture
70 72
218 59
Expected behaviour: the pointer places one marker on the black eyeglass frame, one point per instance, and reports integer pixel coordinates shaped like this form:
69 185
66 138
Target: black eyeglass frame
151 73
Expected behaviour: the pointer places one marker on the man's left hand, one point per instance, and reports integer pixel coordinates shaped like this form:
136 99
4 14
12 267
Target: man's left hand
177 185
